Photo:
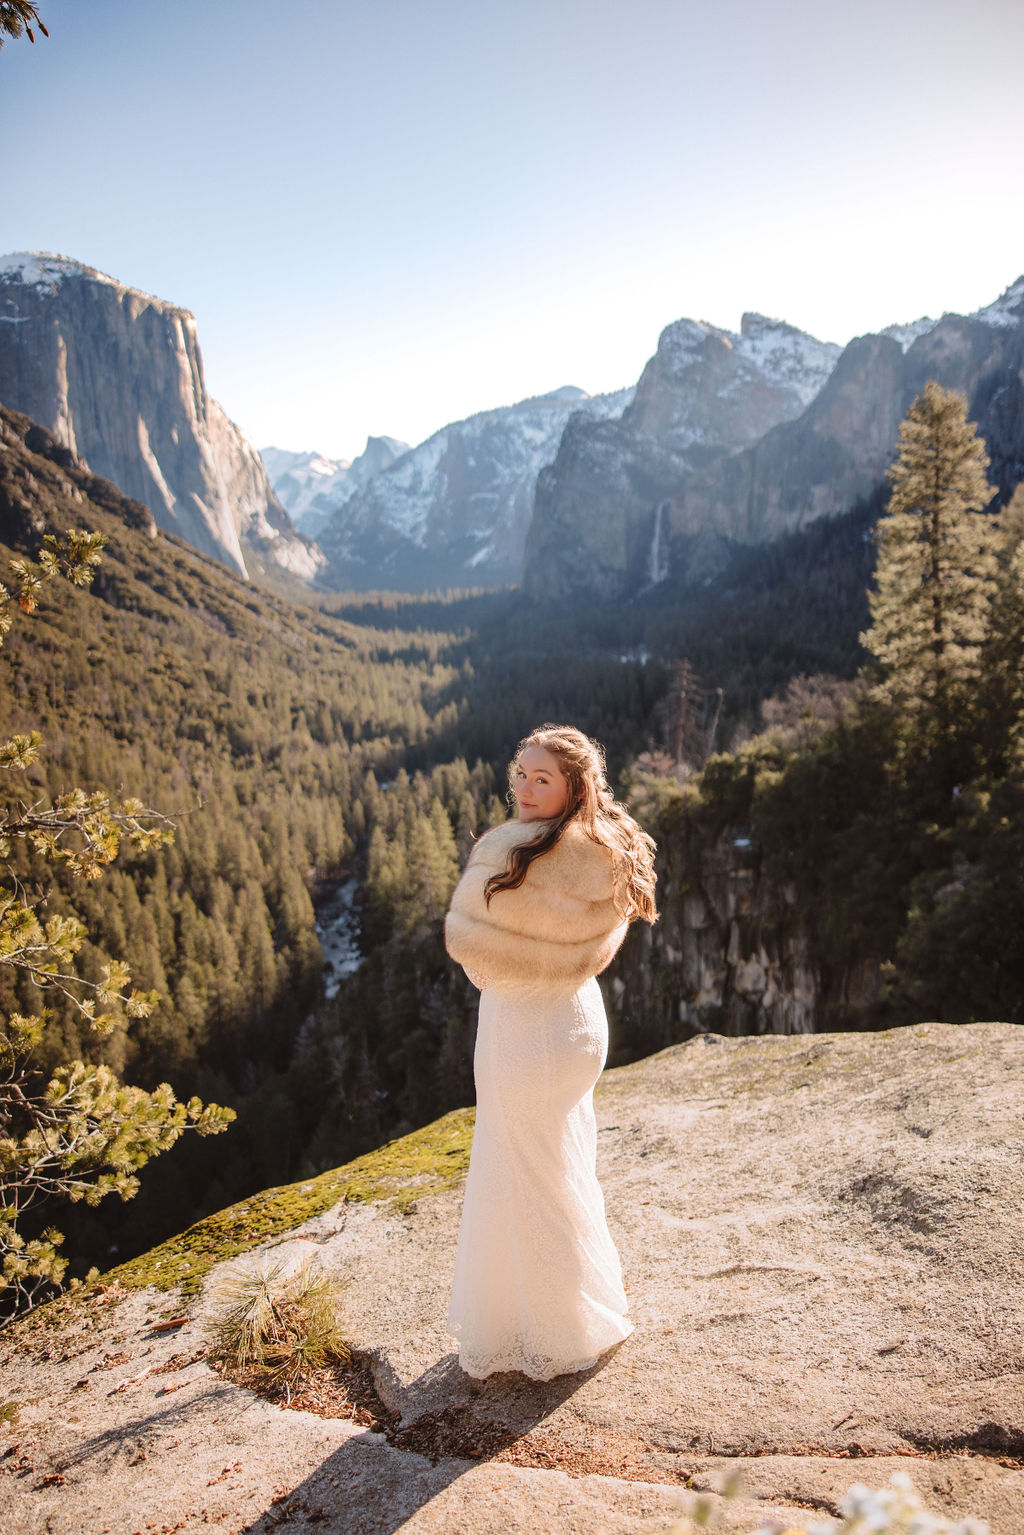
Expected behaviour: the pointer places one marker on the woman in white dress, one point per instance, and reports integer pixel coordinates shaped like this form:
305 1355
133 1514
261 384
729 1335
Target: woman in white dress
541 910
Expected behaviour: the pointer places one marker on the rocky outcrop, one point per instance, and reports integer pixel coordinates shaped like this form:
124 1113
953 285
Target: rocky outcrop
620 511
729 954
598 520
821 1242
117 376
455 510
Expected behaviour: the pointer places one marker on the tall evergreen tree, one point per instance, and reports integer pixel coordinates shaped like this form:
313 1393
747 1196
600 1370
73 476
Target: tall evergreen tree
1004 649
936 564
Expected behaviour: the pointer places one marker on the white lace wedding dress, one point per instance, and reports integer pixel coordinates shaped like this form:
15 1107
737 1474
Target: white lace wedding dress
538 1286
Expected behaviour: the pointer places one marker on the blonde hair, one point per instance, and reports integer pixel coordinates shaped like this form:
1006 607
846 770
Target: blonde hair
591 803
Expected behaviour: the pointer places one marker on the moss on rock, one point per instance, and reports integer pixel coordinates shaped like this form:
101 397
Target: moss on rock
401 1172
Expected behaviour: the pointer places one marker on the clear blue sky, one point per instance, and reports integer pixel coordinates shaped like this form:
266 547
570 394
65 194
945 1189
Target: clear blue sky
386 214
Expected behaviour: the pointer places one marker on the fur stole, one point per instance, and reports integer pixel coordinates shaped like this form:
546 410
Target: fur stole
562 926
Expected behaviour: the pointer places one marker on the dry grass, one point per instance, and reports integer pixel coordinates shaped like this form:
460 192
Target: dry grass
278 1329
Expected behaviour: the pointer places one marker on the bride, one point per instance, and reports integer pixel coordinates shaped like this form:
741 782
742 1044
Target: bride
541 909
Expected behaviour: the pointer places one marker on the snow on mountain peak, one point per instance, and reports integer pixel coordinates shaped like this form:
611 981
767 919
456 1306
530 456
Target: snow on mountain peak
471 483
39 267
781 353
907 334
786 355
311 486
43 269
567 395
680 340
1008 308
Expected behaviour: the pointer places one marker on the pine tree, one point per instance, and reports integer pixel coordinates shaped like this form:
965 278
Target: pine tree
16 17
936 565
83 1133
1003 700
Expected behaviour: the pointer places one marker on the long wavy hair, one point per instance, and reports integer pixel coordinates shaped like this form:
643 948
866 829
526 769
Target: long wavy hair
591 803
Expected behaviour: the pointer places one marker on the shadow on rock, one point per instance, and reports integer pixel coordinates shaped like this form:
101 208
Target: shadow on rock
379 1479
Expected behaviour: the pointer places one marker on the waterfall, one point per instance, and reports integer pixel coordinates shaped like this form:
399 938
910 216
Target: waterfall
657 563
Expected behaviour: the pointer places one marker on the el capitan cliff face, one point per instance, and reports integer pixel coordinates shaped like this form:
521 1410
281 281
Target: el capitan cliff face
117 376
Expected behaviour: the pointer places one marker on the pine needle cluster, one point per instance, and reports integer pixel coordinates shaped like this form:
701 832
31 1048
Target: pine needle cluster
17 18
278 1329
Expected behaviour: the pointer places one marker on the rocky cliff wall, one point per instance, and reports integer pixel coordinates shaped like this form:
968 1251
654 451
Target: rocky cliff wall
740 443
728 955
706 393
837 452
117 376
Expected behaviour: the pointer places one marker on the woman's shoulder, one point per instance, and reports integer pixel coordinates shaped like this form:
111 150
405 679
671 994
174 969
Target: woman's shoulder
498 841
581 863
577 862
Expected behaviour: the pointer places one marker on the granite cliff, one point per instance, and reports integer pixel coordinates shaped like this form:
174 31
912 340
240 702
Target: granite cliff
688 471
727 955
117 377
598 520
839 449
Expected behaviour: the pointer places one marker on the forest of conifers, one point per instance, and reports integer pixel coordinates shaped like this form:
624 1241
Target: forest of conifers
298 744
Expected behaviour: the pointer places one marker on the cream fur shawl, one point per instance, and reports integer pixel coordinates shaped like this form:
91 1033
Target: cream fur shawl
562 926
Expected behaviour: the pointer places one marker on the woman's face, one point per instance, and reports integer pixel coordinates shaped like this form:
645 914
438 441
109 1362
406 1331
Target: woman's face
541 790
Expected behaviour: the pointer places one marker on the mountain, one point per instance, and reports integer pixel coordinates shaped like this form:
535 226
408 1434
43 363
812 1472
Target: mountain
667 489
704 394
840 448
311 487
455 510
117 376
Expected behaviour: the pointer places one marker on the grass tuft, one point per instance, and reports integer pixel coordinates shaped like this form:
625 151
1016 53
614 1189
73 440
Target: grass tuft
278 1329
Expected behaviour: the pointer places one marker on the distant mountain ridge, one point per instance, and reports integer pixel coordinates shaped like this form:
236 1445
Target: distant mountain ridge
704 394
670 487
728 438
311 487
117 376
455 510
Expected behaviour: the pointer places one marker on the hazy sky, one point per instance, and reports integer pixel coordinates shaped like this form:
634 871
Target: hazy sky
387 214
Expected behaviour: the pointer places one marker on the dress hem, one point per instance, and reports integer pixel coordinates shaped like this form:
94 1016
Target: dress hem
563 1369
